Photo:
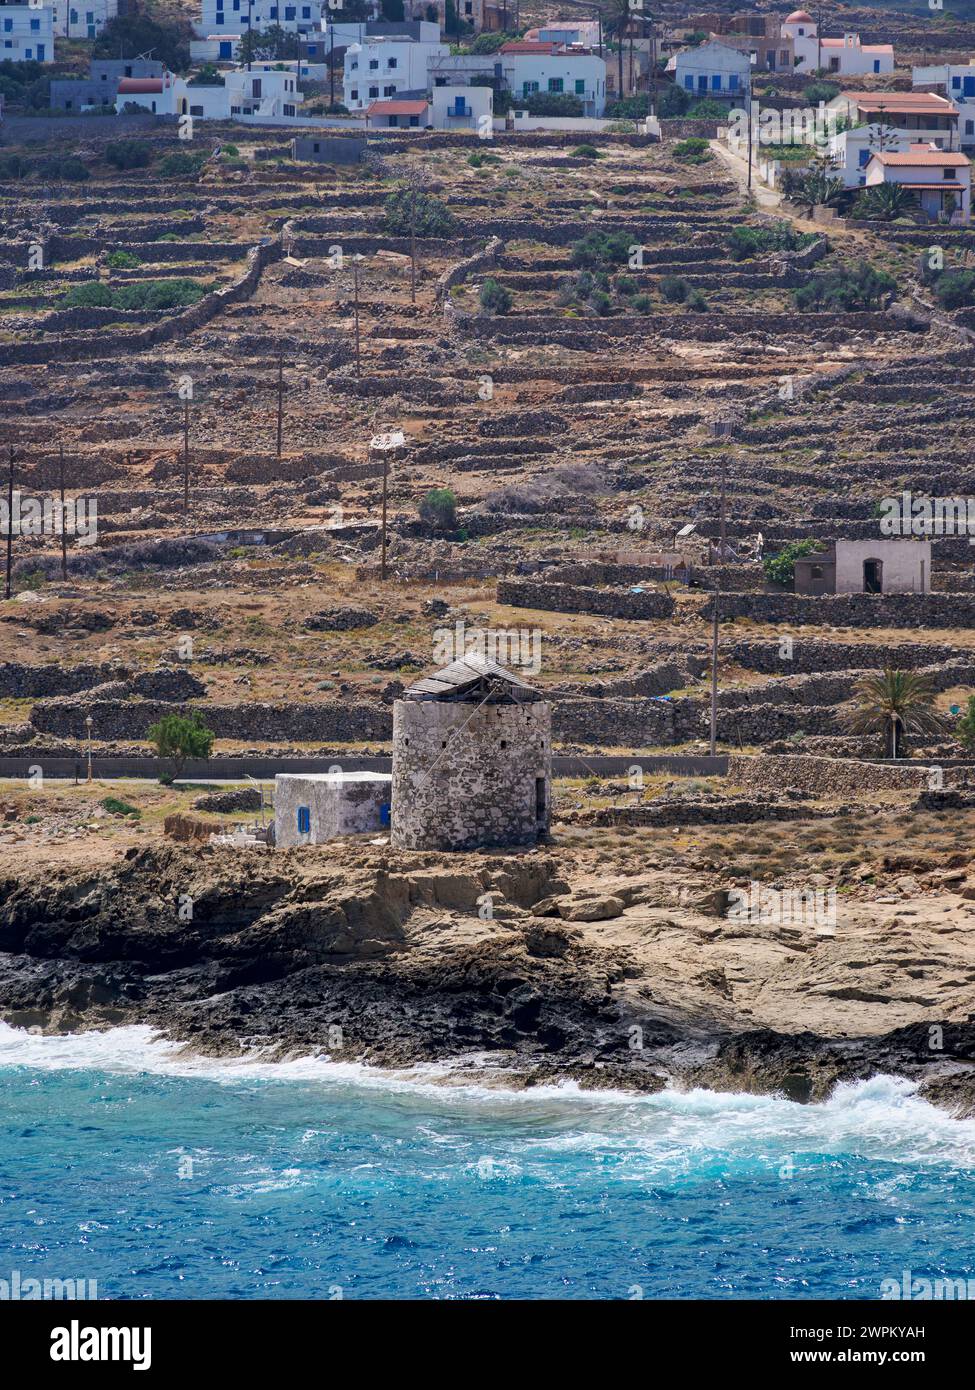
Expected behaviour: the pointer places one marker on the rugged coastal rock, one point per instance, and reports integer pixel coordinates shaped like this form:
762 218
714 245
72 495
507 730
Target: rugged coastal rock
636 980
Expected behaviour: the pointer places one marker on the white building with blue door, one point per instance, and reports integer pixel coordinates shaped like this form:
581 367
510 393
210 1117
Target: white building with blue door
82 19
224 22
26 34
957 82
386 68
713 69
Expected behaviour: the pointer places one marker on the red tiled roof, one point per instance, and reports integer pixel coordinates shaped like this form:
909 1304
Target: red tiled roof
140 84
906 103
397 108
922 159
548 47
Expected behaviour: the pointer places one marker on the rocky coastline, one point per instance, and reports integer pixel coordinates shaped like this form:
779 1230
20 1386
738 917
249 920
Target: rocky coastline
528 969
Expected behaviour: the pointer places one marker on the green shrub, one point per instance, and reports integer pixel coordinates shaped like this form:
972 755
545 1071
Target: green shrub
495 299
846 290
602 249
693 150
955 288
674 289
180 736
550 104
601 303
119 808
643 304
408 209
439 508
13 166
88 294
586 152
180 165
122 260
128 154
744 242
696 301
781 568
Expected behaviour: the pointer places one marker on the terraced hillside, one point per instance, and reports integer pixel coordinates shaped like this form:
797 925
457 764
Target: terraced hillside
608 408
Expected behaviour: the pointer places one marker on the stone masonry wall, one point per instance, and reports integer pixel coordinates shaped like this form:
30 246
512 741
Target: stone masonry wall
568 598
822 776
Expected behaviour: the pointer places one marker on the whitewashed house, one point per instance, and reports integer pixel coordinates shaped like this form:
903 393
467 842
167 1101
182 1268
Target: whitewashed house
234 16
712 69
957 82
941 180
530 67
891 121
243 94
461 108
384 68
846 56
26 34
82 19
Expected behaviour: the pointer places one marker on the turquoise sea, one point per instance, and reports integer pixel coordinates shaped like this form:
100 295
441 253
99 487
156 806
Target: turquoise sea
158 1177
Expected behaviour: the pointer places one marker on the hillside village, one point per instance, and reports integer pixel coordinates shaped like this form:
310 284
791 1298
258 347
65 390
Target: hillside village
488 484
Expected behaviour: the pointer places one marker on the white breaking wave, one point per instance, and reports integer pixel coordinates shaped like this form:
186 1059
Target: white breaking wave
882 1118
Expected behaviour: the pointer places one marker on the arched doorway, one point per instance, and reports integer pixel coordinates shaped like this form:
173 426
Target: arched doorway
873 576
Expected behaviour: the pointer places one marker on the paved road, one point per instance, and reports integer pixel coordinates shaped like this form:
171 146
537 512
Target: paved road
228 769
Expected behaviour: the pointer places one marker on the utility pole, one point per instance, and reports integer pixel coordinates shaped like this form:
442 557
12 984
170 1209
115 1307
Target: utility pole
819 39
250 45
724 510
280 397
186 455
714 669
10 519
331 60
64 535
413 193
749 132
382 567
355 282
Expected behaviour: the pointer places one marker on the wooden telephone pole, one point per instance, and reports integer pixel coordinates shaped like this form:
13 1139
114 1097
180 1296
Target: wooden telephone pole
10 520
280 397
355 283
64 534
186 455
715 620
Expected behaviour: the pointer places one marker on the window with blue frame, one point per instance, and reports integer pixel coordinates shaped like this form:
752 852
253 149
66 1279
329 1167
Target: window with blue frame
969 86
865 158
702 82
8 24
290 11
716 82
219 16
732 82
35 26
689 83
304 820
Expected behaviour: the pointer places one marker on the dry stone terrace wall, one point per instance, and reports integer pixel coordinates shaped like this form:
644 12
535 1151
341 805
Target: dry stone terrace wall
810 655
848 610
300 723
823 777
172 327
567 598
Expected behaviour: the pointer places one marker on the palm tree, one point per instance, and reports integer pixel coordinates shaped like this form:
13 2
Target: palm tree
820 191
894 704
884 202
616 21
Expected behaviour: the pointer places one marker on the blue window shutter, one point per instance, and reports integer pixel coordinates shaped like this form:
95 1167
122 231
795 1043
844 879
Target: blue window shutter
733 82
716 82
689 83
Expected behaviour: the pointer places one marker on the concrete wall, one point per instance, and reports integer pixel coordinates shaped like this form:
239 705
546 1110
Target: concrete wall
465 776
339 803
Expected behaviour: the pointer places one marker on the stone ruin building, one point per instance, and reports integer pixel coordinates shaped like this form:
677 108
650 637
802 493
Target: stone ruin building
472 760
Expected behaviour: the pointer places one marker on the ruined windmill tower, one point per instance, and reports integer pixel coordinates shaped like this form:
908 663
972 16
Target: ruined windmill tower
472 760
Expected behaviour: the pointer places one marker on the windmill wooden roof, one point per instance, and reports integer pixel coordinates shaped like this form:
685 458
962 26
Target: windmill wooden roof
473 678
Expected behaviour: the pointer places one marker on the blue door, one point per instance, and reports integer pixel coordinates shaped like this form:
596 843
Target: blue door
702 84
226 50
969 87
40 52
876 64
